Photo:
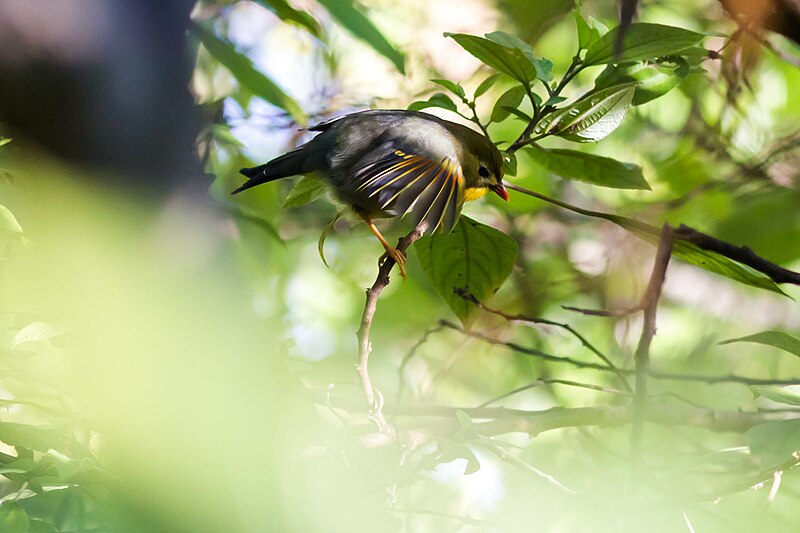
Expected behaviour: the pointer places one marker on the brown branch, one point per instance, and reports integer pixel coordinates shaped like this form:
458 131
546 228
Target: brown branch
666 376
525 467
552 381
373 397
649 305
741 254
536 320
500 420
684 233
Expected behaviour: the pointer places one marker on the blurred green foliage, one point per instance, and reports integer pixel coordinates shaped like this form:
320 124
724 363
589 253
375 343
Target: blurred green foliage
189 367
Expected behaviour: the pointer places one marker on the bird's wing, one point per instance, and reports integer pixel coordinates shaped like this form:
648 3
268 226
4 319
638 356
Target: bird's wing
432 191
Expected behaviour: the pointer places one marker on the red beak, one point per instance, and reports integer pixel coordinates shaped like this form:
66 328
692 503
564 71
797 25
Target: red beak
499 190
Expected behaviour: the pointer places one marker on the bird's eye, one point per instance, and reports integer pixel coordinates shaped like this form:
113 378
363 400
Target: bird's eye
484 172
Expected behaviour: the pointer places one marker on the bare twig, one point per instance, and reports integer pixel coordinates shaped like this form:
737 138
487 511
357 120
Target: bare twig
649 304
525 467
374 399
411 353
549 381
501 420
666 376
536 320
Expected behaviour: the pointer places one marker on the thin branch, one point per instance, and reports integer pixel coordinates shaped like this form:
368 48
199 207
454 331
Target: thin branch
552 381
649 304
742 254
373 397
500 420
684 233
525 467
411 353
536 320
666 376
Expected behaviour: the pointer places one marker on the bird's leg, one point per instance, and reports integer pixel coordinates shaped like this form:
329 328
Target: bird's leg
392 252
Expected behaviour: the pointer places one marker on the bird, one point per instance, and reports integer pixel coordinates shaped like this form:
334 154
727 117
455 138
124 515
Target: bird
387 162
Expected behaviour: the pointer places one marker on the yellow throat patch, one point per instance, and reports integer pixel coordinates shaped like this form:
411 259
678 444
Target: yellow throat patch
473 193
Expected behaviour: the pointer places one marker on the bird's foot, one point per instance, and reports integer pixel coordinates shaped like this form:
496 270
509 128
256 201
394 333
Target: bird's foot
397 256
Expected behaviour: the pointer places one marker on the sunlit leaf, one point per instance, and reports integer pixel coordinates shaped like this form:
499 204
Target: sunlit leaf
247 75
289 14
591 118
719 264
356 22
542 66
306 190
5 140
38 438
776 339
512 98
654 78
587 35
486 84
39 331
436 100
594 169
642 41
473 258
774 442
789 395
510 61
8 222
451 86
13 518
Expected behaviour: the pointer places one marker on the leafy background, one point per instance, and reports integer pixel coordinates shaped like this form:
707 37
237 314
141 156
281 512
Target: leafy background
184 361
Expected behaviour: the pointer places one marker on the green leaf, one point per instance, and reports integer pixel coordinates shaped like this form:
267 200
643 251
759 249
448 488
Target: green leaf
450 452
39 331
473 258
486 84
353 20
287 13
512 98
642 41
719 264
436 100
789 395
306 190
591 118
222 134
8 222
542 66
5 140
510 61
774 442
245 72
510 164
777 339
323 236
453 87
37 525
464 419
654 78
13 518
710 261
594 169
587 35
39 438
517 113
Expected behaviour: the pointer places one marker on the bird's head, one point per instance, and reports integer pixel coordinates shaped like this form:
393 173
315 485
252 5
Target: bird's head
482 165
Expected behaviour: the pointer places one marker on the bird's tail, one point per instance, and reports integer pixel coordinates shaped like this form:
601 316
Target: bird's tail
289 164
